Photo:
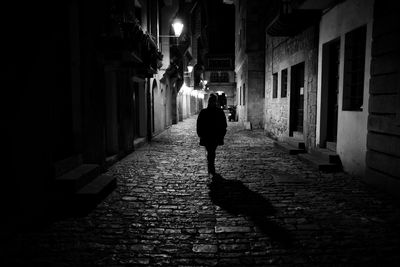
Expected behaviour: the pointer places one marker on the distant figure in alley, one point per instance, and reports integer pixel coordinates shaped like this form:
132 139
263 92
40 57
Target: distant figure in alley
211 128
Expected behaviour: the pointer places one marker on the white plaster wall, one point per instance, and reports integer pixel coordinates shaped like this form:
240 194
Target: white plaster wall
352 125
159 112
241 79
168 104
185 105
184 97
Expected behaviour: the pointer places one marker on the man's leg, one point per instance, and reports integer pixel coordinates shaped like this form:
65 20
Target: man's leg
211 158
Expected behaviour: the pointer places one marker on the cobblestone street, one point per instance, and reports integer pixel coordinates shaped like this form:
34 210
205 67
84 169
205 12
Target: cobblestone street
267 208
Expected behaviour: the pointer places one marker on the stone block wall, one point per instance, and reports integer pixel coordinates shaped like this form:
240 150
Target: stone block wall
383 140
283 53
249 60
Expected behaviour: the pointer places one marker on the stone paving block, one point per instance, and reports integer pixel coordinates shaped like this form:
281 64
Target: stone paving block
232 229
204 248
166 211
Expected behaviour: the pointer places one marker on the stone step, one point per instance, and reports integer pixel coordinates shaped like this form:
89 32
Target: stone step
63 166
111 160
298 143
328 155
320 163
298 135
290 148
331 146
83 200
76 178
94 192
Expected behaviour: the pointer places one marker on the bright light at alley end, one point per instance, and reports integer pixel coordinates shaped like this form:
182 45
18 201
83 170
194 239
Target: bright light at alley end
178 27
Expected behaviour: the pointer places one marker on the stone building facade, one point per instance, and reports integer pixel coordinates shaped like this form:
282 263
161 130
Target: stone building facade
250 61
84 96
162 88
192 50
286 58
327 100
220 75
351 92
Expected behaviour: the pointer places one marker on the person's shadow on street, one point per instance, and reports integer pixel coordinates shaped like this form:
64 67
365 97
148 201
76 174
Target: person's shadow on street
235 198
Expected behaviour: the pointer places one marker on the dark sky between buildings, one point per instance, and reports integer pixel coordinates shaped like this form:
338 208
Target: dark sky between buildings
222 27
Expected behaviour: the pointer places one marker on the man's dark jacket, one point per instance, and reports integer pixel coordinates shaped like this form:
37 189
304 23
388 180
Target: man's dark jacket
211 126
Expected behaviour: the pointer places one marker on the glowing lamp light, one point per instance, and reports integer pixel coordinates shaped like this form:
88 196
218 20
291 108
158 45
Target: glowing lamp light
178 27
190 68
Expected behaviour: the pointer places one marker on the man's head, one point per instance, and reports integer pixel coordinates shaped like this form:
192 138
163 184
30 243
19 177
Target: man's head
212 100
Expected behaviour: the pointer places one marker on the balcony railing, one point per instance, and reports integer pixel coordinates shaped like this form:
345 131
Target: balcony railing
130 44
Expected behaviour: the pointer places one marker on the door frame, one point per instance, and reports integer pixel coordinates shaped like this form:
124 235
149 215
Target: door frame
325 78
294 95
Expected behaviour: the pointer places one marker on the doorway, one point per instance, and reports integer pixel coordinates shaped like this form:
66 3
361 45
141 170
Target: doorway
111 113
297 100
330 93
136 110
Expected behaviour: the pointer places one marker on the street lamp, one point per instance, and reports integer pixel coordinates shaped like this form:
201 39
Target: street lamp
177 25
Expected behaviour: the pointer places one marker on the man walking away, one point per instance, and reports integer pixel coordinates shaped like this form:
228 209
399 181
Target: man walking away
211 128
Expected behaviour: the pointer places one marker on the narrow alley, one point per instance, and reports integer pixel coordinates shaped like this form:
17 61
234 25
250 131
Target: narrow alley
267 209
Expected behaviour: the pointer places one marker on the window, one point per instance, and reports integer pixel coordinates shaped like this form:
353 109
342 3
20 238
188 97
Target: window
284 76
275 85
224 77
354 65
219 77
240 96
214 77
244 94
